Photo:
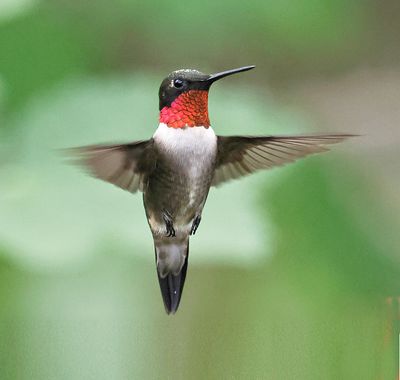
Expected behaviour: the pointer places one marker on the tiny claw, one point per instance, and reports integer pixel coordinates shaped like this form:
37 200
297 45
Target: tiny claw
170 231
195 225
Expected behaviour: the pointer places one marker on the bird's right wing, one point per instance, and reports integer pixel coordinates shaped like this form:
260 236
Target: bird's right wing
125 166
242 155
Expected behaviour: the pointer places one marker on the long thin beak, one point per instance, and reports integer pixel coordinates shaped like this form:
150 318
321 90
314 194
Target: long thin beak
217 76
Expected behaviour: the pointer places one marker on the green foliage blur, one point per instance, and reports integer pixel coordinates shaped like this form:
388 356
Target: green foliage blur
294 273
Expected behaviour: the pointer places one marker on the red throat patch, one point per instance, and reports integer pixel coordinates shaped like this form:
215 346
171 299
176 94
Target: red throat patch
189 109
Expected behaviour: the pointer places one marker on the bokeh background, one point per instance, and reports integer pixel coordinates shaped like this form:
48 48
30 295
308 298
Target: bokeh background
294 273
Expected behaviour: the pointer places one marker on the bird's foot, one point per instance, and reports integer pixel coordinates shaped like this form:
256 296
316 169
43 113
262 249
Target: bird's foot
195 225
170 231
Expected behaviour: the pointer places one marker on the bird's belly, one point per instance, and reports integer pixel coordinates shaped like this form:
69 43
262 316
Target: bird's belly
179 195
179 185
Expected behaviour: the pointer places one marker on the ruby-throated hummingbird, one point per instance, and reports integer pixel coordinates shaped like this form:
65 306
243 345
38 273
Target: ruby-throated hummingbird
176 168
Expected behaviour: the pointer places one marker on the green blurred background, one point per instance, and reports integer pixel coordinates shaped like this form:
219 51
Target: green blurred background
294 273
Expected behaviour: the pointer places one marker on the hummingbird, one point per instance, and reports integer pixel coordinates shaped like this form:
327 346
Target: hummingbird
176 168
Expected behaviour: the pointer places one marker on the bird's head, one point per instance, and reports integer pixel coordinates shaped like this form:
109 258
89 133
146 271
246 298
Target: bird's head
184 97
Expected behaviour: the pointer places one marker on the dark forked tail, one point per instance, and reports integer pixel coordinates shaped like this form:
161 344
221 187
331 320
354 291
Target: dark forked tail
172 281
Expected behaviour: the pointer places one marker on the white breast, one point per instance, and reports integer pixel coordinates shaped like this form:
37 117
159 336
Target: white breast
195 148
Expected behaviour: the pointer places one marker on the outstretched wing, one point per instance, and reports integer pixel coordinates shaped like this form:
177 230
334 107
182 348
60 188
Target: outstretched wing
125 166
242 155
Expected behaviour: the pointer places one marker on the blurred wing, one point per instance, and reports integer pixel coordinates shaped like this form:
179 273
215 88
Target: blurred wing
242 155
125 166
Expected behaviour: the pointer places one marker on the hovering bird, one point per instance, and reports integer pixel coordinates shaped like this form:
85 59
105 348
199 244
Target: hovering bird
177 166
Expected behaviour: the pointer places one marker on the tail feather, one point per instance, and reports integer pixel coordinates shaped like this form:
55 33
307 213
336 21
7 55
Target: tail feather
171 284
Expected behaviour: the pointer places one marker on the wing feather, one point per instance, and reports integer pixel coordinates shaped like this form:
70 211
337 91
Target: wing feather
124 165
242 155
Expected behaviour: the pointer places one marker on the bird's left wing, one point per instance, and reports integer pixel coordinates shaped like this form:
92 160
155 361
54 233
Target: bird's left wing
125 166
242 155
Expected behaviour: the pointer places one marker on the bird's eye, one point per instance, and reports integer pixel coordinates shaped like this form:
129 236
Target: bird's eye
178 83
